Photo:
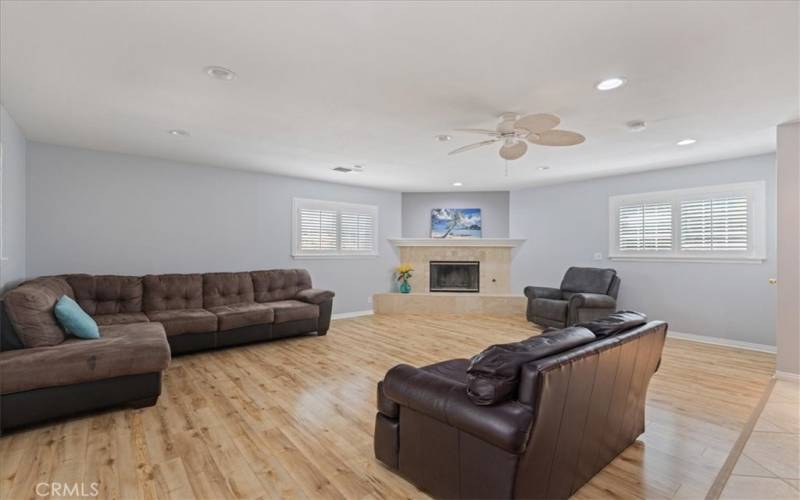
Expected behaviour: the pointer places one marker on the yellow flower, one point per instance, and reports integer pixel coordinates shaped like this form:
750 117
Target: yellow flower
404 268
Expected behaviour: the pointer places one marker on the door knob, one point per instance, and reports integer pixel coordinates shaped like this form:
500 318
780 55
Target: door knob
772 281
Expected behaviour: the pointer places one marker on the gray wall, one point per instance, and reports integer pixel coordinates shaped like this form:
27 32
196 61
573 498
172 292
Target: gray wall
99 212
12 225
788 164
493 204
566 224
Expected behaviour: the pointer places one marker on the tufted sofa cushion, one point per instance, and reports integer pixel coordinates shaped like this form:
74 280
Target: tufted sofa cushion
165 292
30 309
99 295
222 289
279 284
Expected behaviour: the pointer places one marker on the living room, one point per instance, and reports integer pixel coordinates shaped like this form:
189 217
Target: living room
399 249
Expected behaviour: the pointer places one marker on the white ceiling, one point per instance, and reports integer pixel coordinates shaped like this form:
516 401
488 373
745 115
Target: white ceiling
328 83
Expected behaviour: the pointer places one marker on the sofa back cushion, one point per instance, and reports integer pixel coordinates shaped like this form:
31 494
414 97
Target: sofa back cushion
165 292
587 280
30 307
222 289
279 284
493 375
107 294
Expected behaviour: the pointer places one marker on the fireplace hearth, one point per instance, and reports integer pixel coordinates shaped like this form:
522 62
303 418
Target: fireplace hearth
455 276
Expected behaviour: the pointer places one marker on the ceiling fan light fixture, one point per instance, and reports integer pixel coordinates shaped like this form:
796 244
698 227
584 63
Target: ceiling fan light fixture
686 142
611 83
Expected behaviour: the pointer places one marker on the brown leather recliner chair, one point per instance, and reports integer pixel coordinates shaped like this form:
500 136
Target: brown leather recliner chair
586 293
574 412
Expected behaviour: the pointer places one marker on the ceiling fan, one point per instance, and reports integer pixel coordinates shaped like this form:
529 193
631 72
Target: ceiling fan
513 131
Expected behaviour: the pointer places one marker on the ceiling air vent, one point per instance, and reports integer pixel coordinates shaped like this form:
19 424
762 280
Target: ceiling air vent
344 170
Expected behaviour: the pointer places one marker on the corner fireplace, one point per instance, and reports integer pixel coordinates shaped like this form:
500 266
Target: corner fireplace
455 276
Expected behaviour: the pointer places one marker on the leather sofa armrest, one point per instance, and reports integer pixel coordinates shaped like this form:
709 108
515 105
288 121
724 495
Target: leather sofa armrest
504 425
592 301
542 292
314 295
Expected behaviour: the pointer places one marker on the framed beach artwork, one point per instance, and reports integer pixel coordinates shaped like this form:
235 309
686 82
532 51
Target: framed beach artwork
456 223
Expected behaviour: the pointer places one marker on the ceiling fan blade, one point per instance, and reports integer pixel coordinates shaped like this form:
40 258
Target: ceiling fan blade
472 146
513 151
538 123
476 131
556 138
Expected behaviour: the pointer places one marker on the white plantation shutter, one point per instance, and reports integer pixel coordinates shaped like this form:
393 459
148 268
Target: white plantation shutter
357 231
720 224
645 227
317 229
327 228
709 223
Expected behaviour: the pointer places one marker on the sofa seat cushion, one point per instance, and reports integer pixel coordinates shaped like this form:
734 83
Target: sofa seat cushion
293 310
121 318
452 369
180 321
30 308
552 309
239 315
131 349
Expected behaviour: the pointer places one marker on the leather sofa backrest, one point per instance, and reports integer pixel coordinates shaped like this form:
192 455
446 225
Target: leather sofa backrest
588 405
493 375
279 284
587 280
30 309
222 289
163 292
107 294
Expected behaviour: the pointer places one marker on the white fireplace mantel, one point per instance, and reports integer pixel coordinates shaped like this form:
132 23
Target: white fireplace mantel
457 242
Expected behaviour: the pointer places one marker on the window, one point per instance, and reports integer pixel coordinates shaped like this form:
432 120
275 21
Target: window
334 229
725 222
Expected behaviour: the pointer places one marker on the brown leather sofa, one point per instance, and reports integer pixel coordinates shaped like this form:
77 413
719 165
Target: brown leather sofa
44 373
573 412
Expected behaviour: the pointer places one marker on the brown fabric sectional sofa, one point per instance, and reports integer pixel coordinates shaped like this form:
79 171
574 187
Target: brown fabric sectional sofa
45 373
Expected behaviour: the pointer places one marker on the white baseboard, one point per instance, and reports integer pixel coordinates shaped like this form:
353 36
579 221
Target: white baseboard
703 339
353 314
791 377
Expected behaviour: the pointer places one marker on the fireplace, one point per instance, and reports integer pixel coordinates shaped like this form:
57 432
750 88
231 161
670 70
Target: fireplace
455 276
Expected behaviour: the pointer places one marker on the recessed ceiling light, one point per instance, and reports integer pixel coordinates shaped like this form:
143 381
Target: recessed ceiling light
179 132
458 184
443 138
611 83
219 73
686 142
543 167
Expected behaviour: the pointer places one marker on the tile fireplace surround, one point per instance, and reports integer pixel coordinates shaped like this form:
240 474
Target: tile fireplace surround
494 298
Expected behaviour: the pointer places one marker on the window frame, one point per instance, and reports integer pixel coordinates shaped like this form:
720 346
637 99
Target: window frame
754 191
338 206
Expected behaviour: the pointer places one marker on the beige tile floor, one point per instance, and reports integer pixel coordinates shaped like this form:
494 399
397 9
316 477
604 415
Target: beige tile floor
769 466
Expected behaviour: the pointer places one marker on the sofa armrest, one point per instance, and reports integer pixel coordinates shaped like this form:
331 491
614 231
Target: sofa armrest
592 301
542 292
504 425
314 295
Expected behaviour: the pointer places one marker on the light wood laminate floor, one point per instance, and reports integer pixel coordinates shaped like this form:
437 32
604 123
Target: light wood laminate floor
294 419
